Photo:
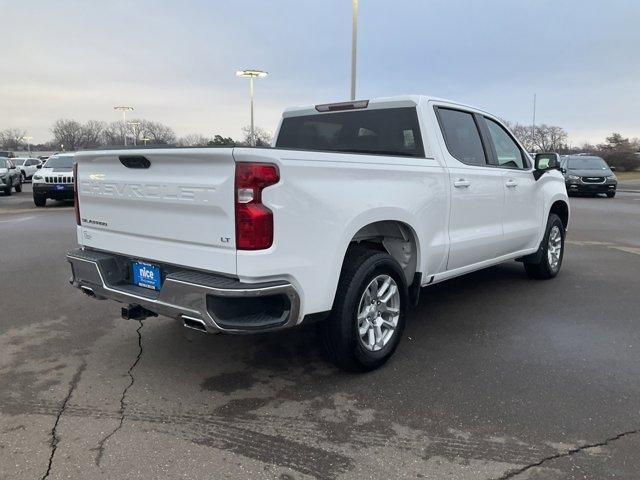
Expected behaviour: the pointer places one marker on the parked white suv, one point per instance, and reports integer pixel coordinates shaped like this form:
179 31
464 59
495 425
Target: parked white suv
54 180
27 166
358 206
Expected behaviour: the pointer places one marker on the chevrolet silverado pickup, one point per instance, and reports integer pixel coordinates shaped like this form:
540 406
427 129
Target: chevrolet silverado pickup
355 208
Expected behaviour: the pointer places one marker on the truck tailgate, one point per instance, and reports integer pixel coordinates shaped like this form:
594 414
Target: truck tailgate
169 206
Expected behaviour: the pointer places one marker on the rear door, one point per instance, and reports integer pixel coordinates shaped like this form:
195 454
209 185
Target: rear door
164 206
476 186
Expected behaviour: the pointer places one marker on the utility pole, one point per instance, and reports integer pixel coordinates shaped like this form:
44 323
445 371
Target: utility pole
533 124
124 109
354 47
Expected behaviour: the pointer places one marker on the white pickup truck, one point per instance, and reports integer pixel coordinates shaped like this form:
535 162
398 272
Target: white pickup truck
357 206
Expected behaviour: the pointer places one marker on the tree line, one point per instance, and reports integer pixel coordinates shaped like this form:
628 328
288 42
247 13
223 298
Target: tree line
71 135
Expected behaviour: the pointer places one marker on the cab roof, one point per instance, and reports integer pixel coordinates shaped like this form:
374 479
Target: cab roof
374 103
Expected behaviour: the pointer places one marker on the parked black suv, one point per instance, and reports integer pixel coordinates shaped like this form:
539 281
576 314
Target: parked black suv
588 175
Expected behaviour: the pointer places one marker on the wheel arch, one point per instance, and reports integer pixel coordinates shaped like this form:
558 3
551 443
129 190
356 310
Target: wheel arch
561 208
395 236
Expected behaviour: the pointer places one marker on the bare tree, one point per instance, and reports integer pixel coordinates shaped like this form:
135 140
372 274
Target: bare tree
193 140
549 138
67 133
11 138
157 132
92 134
263 138
113 134
541 138
523 134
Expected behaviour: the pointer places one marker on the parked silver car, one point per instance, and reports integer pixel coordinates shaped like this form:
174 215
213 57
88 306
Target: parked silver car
10 176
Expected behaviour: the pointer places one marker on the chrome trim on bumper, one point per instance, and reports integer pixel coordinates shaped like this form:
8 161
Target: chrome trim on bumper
177 298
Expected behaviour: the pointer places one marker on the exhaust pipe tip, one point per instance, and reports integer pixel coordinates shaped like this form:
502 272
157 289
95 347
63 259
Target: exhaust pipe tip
88 291
194 323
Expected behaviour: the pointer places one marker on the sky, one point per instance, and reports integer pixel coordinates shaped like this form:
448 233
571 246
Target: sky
175 61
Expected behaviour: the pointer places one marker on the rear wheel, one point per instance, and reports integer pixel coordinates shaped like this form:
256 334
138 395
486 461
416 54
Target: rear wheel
368 316
19 185
611 194
550 261
39 200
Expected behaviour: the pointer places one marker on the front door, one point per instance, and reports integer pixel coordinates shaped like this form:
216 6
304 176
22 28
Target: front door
522 211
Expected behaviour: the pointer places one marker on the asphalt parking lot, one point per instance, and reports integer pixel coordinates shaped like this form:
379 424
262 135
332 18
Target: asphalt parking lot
497 376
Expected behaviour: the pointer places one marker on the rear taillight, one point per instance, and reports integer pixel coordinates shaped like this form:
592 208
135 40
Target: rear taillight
254 221
76 203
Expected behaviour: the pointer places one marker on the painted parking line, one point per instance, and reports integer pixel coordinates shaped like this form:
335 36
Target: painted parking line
614 246
19 219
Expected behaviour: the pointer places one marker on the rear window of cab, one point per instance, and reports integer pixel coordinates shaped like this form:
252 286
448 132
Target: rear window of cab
385 131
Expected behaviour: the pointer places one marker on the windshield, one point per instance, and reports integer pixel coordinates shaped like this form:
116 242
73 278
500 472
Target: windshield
3 163
61 161
587 163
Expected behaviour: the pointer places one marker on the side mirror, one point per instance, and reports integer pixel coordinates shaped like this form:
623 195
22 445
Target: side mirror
12 167
545 162
39 166
613 169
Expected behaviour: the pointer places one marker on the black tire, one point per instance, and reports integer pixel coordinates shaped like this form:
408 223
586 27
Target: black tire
19 186
611 194
39 200
339 333
543 269
7 191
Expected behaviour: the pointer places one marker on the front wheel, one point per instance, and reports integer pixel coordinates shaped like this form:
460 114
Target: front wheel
19 186
611 194
550 261
39 200
368 315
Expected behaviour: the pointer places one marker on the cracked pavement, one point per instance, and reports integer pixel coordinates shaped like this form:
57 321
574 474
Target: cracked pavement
497 377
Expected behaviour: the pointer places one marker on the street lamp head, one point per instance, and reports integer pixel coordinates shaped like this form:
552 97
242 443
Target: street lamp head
123 108
251 73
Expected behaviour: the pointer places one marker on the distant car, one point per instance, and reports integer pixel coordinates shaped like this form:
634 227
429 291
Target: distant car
54 180
10 176
588 175
7 154
27 166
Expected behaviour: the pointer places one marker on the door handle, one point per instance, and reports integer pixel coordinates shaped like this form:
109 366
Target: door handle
511 183
462 183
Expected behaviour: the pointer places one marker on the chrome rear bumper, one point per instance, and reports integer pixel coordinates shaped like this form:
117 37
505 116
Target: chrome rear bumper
218 303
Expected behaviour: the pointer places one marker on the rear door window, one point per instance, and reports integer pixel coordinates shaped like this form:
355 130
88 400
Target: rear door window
461 136
385 131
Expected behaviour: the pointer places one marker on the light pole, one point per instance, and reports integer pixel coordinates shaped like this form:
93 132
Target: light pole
251 74
354 45
124 109
28 140
135 127
533 123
